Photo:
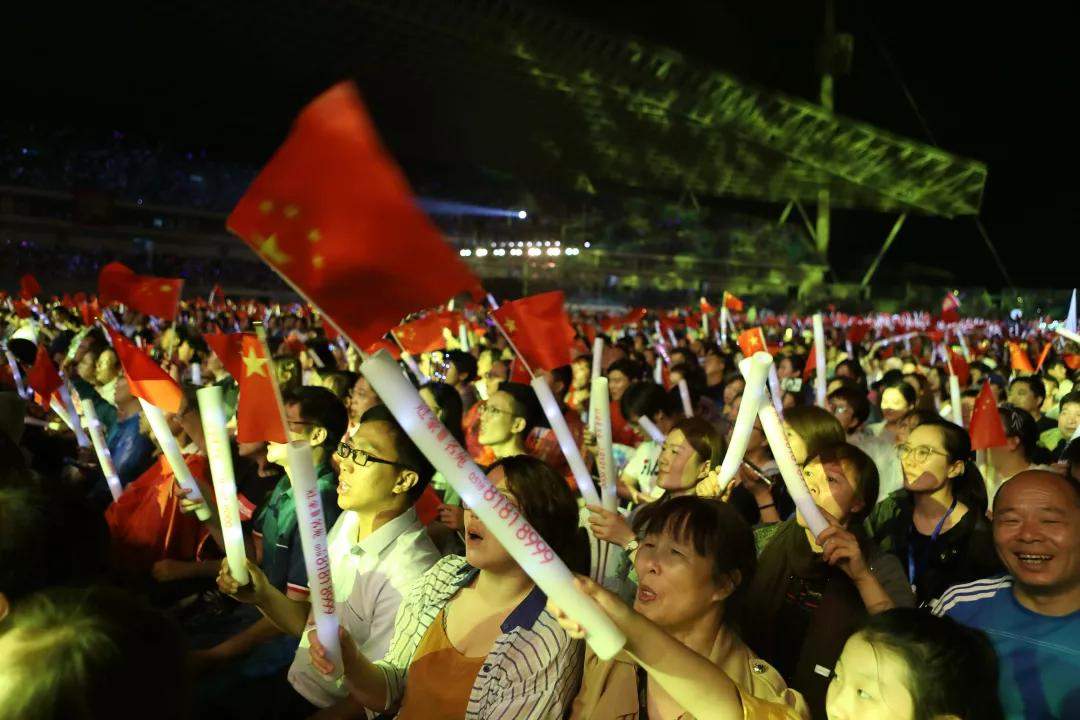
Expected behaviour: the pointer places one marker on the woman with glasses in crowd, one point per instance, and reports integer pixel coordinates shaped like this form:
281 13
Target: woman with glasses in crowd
936 524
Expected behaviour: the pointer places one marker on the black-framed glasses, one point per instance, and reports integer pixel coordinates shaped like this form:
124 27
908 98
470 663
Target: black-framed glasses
487 408
922 453
361 457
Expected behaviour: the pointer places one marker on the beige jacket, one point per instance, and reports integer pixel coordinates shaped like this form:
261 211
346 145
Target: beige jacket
609 689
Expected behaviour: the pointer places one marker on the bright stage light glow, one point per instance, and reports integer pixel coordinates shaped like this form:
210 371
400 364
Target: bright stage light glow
465 252
481 252
553 251
499 252
588 244
516 252
522 214
533 252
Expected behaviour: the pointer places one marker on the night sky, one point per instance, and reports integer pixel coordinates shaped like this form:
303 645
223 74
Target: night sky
994 84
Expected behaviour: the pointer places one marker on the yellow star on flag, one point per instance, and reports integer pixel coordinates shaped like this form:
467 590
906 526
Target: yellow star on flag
290 211
511 327
266 206
270 249
254 364
165 288
317 262
314 235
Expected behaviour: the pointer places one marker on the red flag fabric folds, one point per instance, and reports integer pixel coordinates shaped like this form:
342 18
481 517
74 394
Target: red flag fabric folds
1019 359
986 429
29 288
539 329
706 307
811 364
145 377
228 347
333 215
258 418
43 377
960 367
950 308
752 341
426 334
732 303
147 294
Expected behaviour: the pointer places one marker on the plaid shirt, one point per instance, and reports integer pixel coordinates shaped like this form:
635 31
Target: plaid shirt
532 671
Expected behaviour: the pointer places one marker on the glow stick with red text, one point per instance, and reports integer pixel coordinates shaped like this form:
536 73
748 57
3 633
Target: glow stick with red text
600 420
499 516
219 453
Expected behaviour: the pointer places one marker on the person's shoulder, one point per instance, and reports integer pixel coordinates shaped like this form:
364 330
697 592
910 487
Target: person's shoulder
970 596
411 555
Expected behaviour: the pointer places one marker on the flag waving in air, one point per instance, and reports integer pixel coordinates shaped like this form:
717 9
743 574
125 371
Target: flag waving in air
538 327
986 429
258 418
752 341
333 215
426 334
43 377
145 293
732 303
145 377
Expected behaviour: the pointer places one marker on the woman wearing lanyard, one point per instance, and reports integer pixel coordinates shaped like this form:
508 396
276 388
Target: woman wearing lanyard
936 525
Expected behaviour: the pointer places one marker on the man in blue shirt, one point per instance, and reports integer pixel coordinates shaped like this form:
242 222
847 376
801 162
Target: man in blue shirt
1032 615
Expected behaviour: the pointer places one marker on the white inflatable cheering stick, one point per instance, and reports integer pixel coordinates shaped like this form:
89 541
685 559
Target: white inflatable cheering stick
755 370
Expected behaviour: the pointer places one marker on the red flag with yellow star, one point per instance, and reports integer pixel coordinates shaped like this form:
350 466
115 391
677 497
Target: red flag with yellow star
333 215
145 377
1019 360
228 347
426 334
986 428
539 329
147 294
258 418
752 341
732 303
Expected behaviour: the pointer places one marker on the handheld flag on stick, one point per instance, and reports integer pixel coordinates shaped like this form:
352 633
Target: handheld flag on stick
147 294
986 429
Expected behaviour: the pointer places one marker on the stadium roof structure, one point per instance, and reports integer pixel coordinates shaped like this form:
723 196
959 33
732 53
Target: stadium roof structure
528 91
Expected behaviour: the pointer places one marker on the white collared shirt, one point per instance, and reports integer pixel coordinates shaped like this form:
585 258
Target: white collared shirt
370 579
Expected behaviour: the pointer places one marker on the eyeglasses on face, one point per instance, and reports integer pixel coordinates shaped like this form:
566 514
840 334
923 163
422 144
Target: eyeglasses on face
487 408
360 457
922 453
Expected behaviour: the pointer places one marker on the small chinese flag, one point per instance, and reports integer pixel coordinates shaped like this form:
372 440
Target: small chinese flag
393 349
959 367
732 303
752 341
29 288
857 332
1019 359
145 377
22 309
950 308
426 334
145 293
228 347
333 215
811 363
633 317
43 377
986 429
539 328
707 308
258 417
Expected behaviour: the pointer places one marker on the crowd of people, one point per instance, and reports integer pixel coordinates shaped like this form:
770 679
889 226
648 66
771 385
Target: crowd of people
946 585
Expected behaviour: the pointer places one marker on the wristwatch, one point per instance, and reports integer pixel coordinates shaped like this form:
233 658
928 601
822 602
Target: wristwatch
631 546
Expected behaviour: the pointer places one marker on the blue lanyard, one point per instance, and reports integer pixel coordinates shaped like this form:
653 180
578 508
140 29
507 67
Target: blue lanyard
914 569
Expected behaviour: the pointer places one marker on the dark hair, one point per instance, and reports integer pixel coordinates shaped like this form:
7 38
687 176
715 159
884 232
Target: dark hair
322 408
450 407
911 397
526 405
715 530
856 400
24 541
867 480
91 654
645 399
549 505
1019 424
1032 381
1069 398
465 364
952 669
694 375
858 375
341 382
407 453
707 441
968 487
688 356
562 375
816 426
632 369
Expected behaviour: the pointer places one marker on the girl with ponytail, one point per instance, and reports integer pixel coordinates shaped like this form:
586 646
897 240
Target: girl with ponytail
936 524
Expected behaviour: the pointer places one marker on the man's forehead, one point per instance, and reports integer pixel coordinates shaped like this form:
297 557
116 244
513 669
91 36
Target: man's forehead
372 435
1038 488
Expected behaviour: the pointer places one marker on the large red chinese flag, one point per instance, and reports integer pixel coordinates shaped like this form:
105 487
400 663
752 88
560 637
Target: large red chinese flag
258 418
732 303
539 329
426 334
228 347
147 294
986 429
333 215
1019 359
29 287
145 377
752 341
43 377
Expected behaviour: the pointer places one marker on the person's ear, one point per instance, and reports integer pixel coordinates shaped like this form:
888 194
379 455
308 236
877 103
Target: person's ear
406 481
517 426
727 586
1012 442
957 468
318 436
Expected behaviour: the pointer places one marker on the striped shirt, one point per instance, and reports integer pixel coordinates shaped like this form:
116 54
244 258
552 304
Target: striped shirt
532 671
1038 655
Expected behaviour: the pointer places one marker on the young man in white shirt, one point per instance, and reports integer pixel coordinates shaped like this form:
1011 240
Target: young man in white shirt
377 548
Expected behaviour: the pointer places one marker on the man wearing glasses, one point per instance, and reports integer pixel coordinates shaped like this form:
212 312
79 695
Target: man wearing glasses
505 420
